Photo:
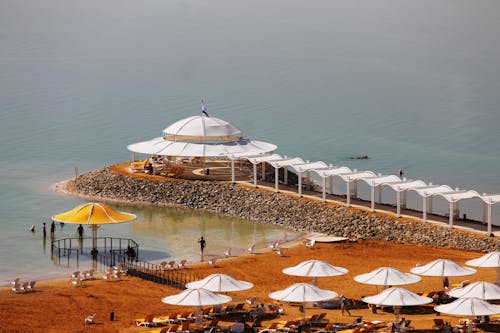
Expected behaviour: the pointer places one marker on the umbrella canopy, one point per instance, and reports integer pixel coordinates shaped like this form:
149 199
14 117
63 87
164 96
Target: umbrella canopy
196 297
442 267
163 147
315 268
468 306
387 276
491 259
220 283
201 128
303 292
397 297
93 214
480 289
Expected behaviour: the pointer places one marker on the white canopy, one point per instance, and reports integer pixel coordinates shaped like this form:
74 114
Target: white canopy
304 167
202 129
468 306
303 292
332 171
491 259
160 146
196 297
481 289
397 297
442 267
387 276
315 268
220 283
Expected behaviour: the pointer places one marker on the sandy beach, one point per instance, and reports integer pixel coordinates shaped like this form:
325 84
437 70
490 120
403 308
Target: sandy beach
56 306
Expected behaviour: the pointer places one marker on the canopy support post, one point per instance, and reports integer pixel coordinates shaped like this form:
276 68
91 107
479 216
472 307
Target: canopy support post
323 184
300 184
232 171
451 215
424 207
372 192
398 203
348 193
489 221
254 175
276 175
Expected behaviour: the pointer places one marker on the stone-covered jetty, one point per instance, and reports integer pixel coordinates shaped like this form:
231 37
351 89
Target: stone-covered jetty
268 207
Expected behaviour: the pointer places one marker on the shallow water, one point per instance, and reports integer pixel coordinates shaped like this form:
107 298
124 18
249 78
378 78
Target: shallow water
413 85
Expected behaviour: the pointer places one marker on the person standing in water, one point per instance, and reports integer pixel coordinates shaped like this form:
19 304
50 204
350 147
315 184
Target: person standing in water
203 244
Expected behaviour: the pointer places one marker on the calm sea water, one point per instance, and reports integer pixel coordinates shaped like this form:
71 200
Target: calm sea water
411 84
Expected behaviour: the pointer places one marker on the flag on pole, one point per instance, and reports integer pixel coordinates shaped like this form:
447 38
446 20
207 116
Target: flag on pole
203 108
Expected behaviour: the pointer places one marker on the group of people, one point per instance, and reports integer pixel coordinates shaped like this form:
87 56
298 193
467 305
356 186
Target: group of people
31 229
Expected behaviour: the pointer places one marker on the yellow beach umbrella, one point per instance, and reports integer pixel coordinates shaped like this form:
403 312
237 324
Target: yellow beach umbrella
93 214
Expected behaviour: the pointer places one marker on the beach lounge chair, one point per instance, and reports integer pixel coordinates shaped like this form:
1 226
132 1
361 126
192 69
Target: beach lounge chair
182 264
146 321
329 327
311 243
15 281
438 323
212 262
163 265
271 328
280 252
89 319
171 264
251 248
17 288
227 253
31 286
24 287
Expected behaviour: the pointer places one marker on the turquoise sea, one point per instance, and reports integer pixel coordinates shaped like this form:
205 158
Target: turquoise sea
411 84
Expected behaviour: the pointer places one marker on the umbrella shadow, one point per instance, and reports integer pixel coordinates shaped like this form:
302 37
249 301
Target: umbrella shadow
412 310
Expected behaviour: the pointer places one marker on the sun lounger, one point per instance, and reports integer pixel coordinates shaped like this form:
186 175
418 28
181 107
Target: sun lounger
280 252
311 243
171 264
17 288
31 286
89 319
182 264
212 262
227 253
146 321
251 248
15 281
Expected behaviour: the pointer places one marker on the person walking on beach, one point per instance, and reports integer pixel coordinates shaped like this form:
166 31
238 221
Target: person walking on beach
52 229
44 231
343 306
80 231
203 243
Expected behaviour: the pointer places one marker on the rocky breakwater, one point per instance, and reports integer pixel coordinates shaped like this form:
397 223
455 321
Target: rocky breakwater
274 208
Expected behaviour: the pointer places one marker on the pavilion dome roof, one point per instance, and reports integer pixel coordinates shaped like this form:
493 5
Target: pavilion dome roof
202 129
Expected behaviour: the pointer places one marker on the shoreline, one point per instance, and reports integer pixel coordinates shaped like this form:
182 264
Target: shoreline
113 184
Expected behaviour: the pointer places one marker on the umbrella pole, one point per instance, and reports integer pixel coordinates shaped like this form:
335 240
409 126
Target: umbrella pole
396 313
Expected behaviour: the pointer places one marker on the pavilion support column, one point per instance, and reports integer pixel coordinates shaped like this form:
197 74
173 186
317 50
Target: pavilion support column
424 208
300 184
379 194
133 156
348 193
285 180
330 179
276 180
255 175
398 203
451 215
489 221
355 192
323 184
372 191
484 213
232 172
404 199
263 176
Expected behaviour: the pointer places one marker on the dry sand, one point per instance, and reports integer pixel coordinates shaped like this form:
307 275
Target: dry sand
56 306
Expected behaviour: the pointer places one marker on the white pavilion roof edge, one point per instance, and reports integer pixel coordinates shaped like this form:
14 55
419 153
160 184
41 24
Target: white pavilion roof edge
279 163
303 167
263 158
356 175
332 171
491 198
380 180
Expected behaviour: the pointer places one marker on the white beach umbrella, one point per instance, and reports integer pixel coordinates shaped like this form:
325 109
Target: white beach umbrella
468 306
220 283
197 297
491 259
387 276
442 267
481 289
315 269
303 293
397 297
